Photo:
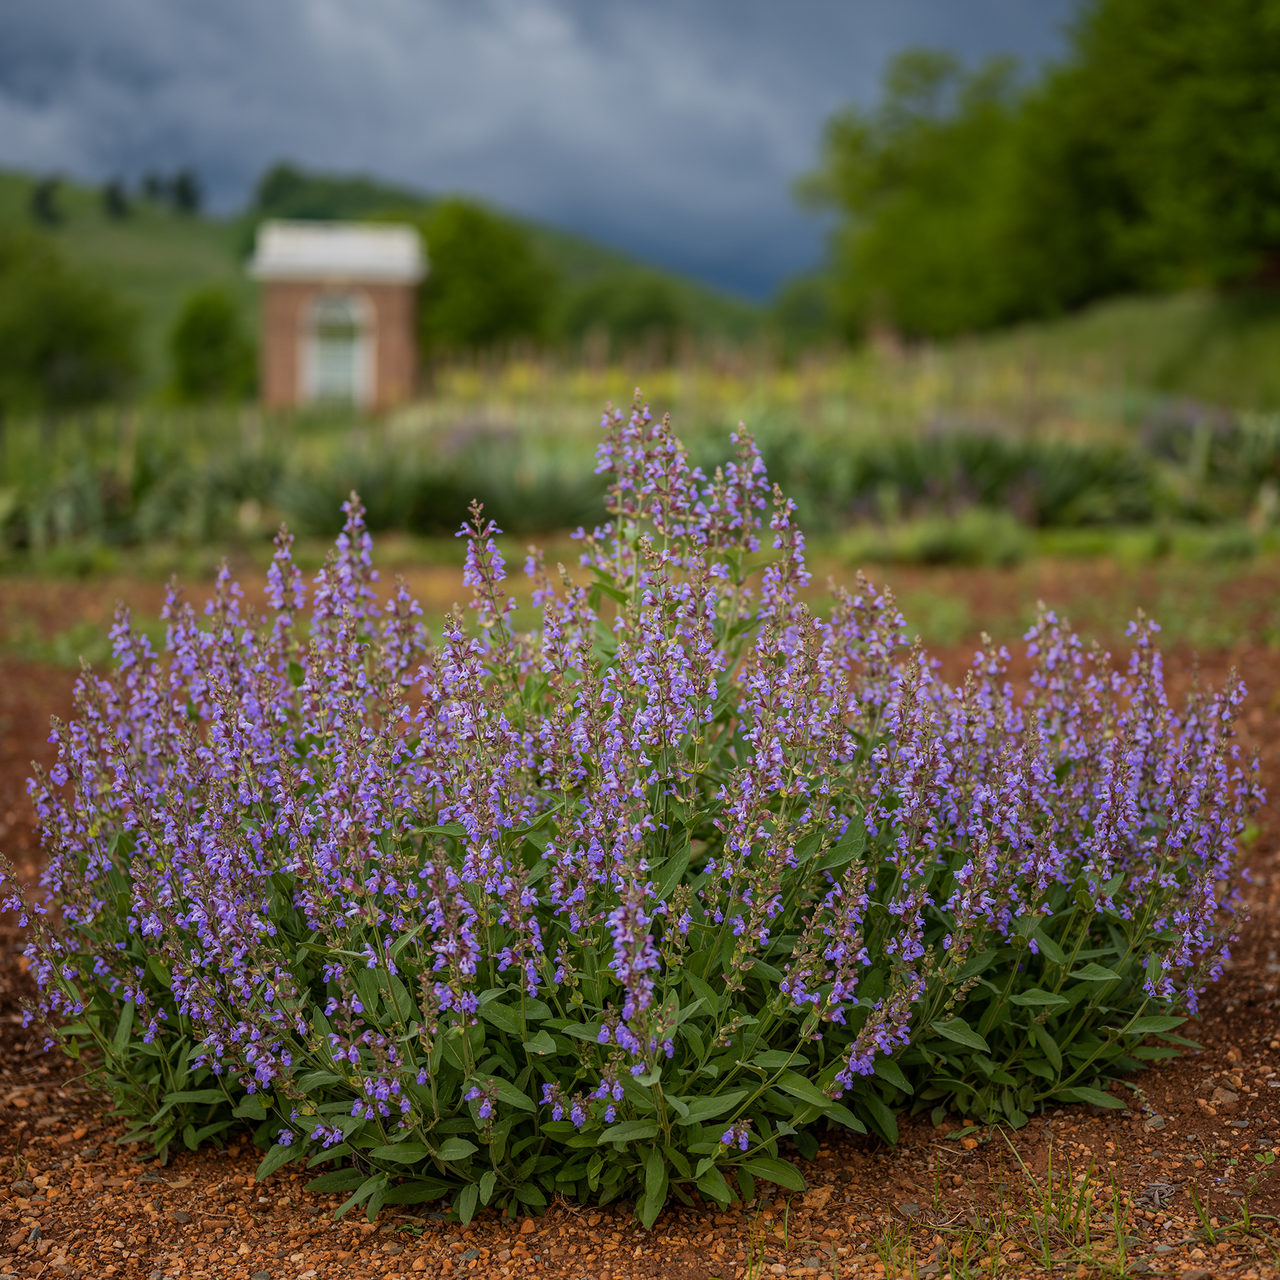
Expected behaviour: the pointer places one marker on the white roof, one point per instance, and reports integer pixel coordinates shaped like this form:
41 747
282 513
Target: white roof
380 252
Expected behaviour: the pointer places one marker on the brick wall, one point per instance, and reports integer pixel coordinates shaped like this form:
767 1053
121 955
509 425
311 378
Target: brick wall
395 353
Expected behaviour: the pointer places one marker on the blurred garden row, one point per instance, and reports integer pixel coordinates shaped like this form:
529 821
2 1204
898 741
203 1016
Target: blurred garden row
940 458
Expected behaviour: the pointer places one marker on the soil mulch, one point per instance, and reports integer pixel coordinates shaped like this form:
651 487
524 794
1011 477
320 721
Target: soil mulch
1180 1183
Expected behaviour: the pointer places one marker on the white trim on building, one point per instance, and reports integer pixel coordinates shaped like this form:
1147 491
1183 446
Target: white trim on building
337 252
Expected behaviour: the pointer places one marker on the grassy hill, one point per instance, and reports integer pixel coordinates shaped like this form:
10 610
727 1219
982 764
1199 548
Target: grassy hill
154 257
286 192
1218 348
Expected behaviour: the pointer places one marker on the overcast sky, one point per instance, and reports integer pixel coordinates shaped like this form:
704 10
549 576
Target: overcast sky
671 128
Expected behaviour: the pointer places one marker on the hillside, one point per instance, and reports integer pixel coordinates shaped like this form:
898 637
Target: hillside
1217 348
154 258
286 192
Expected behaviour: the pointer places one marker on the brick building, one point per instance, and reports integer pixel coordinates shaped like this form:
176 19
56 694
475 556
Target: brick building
338 312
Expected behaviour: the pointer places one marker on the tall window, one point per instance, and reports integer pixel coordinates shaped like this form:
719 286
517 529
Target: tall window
338 350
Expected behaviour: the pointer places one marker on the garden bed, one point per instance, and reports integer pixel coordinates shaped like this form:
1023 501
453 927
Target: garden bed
870 1210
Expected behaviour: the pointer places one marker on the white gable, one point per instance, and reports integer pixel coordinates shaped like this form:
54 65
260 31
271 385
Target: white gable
338 251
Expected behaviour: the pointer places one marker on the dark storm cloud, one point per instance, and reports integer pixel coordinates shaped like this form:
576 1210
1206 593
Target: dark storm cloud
671 127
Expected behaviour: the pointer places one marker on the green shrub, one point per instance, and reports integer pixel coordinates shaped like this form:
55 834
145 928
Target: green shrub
485 286
65 340
974 537
619 905
212 357
632 309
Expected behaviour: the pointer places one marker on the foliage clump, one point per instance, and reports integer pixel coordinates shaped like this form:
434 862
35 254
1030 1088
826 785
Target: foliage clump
1144 159
486 286
213 357
616 905
65 340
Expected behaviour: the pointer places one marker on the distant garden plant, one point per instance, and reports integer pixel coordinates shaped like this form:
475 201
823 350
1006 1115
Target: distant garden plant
617 905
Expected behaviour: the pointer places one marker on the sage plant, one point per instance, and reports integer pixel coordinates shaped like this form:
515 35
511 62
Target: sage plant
618 895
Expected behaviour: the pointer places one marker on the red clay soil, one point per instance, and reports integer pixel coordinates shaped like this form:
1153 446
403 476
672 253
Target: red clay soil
1198 1131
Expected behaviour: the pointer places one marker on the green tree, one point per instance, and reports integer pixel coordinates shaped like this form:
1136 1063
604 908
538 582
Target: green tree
1148 158
485 286
65 339
922 183
633 307
212 357
1162 128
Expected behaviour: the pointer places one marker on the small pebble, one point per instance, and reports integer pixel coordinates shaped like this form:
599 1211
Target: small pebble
177 1215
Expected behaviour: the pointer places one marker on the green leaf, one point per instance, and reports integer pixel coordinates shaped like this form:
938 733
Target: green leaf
1048 1045
703 991
508 1093
1048 947
888 1069
631 1131
840 1113
615 594
120 1041
503 1017
274 1158
1170 1038
851 845
317 1080
714 1187
449 829
700 1110
1035 996
465 1203
331 1153
655 1191
1095 973
779 1172
673 872
1154 1053
1082 1093
188 1095
961 1032
775 1060
541 1044
416 1192
530 1193
583 1030
882 1119
210 1129
337 1180
1149 1025
401 1152
455 1149
975 965
655 1175
487 1184
798 1087
251 1108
